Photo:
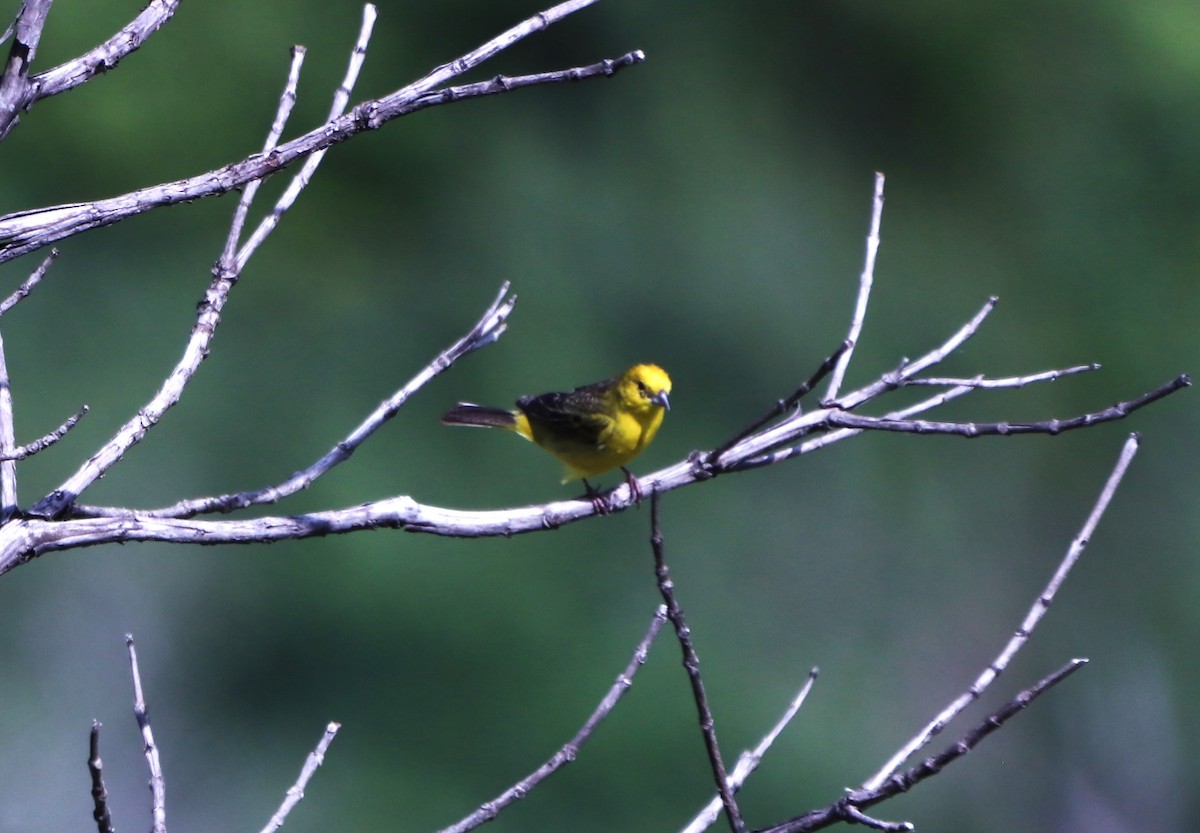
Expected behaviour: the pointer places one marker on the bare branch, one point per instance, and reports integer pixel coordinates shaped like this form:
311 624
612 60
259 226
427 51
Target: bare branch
849 807
26 231
158 785
865 281
796 434
8 445
29 537
1022 634
486 331
784 405
27 286
908 370
981 429
107 55
341 98
905 781
287 101
29 449
99 794
16 92
1007 382
749 761
691 664
296 791
570 750
225 275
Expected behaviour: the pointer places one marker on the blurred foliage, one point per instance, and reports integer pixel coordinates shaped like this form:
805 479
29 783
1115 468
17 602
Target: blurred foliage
705 210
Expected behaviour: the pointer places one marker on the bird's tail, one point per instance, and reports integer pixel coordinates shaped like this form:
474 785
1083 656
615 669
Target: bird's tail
465 413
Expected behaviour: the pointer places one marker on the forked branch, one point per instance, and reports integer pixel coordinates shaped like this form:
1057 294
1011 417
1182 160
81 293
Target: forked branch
27 231
890 780
158 803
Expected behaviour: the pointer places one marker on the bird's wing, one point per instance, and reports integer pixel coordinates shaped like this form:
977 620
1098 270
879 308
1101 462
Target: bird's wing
577 418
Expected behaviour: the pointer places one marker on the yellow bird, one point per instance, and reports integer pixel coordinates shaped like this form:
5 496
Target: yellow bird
592 429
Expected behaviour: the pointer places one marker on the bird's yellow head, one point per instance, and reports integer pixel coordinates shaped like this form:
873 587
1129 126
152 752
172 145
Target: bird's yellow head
643 389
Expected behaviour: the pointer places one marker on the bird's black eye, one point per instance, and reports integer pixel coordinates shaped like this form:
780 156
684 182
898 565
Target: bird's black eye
642 389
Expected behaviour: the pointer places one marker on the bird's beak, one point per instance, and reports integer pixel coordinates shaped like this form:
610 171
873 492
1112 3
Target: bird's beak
661 399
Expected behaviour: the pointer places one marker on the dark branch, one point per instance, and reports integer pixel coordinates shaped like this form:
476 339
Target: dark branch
849 807
691 663
841 419
783 405
99 793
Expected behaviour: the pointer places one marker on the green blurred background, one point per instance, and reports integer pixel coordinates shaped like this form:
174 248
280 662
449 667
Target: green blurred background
705 210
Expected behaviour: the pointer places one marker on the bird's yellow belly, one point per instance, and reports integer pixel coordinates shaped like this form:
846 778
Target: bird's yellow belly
619 444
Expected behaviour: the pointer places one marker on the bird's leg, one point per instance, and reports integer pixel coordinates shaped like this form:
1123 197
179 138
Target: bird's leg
635 488
597 499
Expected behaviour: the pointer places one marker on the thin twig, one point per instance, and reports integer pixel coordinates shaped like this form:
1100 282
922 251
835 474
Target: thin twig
750 451
932 766
1040 605
865 281
341 97
287 102
8 445
99 794
748 761
487 330
909 369
783 405
489 810
605 68
47 440
691 664
1052 427
158 785
296 791
1006 382
853 815
27 286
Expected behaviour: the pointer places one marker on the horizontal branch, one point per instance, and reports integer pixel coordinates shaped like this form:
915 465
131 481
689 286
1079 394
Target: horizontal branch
27 231
838 419
29 537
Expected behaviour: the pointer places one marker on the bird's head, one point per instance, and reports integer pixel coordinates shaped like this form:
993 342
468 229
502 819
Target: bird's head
644 388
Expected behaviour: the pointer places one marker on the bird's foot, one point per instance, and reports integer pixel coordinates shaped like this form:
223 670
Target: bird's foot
635 488
599 503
